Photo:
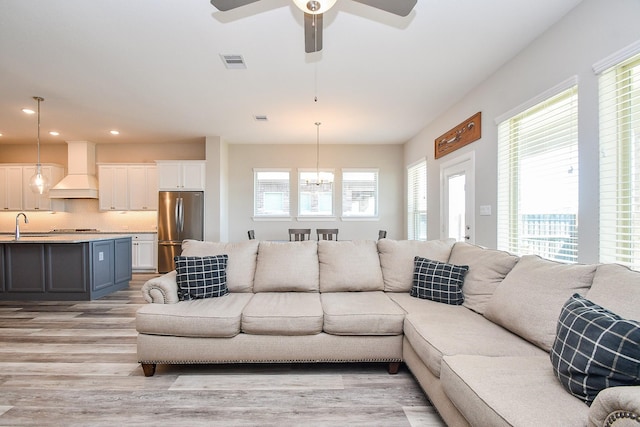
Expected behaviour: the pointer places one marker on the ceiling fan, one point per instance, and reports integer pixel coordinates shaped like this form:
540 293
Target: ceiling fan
313 10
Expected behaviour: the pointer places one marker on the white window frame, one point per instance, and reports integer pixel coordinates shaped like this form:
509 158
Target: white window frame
553 149
619 90
417 199
327 177
276 216
346 198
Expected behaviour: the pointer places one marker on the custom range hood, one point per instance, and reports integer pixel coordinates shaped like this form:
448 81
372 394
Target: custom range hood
81 181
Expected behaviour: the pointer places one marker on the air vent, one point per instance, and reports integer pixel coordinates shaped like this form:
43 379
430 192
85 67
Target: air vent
233 61
261 118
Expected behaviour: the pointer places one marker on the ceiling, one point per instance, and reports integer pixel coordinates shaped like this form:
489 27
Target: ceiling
152 68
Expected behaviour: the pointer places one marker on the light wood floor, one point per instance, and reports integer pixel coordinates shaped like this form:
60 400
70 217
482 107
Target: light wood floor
74 364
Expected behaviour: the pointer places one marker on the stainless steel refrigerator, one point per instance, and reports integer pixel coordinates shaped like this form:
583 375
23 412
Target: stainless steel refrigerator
180 217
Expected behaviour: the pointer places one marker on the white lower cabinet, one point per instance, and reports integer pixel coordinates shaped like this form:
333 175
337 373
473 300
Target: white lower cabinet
143 252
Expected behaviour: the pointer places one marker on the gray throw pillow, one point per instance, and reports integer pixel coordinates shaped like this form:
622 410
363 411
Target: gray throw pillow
201 277
594 349
438 281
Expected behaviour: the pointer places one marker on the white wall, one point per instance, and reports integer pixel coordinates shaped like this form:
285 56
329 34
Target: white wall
244 157
594 30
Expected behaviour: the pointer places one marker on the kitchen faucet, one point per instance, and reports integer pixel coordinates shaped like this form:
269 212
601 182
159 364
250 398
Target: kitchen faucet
26 221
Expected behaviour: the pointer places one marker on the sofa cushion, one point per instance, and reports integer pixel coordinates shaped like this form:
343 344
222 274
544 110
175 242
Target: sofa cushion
283 313
347 266
529 299
396 259
435 330
201 277
617 288
287 266
241 266
509 391
361 313
438 281
594 349
487 268
202 318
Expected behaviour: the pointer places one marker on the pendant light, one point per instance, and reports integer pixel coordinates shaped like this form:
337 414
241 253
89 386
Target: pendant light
39 183
318 181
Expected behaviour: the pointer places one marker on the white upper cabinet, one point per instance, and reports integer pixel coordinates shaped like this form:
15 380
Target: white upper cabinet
128 187
11 188
41 202
143 187
181 175
113 187
15 193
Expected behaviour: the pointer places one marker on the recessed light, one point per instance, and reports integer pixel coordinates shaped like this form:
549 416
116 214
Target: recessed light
114 132
28 111
54 133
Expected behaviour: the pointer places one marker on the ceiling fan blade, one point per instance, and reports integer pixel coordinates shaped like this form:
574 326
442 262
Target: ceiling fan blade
397 7
312 32
224 5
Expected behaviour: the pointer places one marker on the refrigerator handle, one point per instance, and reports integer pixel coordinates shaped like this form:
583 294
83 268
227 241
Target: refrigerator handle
181 217
176 216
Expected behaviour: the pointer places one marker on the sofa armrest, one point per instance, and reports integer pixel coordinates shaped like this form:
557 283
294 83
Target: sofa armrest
162 289
616 407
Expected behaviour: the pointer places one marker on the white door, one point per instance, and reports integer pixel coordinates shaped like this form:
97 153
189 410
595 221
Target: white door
457 178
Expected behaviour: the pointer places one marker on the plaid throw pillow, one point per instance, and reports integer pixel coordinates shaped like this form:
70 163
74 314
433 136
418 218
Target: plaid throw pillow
201 277
438 281
594 349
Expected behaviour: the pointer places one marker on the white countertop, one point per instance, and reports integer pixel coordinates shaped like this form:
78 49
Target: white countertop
60 238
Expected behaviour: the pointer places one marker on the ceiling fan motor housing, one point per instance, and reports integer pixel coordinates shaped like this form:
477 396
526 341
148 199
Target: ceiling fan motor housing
314 7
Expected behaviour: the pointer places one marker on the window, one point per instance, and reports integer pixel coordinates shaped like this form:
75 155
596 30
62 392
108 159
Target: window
315 193
359 193
270 193
417 201
538 178
620 163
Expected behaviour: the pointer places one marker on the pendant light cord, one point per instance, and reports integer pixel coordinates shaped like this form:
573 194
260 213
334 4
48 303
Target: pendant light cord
318 153
38 99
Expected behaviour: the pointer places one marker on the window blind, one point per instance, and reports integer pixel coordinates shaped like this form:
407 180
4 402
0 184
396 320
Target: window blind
619 88
538 179
417 201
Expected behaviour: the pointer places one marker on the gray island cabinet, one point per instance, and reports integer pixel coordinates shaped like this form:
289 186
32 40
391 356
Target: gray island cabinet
63 267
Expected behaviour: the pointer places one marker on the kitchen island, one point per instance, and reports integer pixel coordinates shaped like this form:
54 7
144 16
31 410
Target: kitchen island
63 267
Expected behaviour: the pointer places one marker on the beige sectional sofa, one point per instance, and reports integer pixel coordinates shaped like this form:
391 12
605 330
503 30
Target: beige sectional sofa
485 362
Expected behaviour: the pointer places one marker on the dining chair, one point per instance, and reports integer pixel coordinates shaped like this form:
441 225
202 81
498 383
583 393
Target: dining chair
252 234
298 234
382 234
327 233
